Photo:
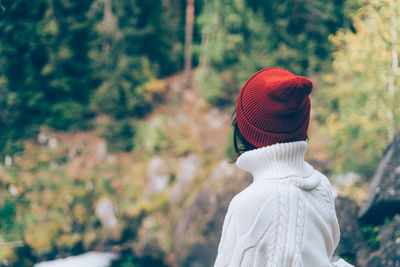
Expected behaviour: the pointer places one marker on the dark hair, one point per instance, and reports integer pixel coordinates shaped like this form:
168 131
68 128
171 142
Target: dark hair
240 144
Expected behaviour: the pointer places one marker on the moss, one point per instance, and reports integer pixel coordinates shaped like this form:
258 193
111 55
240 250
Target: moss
370 234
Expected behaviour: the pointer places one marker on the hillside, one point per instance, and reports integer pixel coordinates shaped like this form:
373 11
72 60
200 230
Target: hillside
68 194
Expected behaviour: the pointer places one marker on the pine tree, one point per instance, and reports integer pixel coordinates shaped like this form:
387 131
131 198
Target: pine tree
234 45
300 31
70 74
240 35
124 93
23 56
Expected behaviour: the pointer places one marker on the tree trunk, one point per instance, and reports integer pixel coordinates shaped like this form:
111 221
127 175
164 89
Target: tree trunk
204 60
395 65
189 35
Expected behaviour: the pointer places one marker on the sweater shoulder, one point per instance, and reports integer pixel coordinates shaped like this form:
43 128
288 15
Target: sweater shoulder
324 179
260 196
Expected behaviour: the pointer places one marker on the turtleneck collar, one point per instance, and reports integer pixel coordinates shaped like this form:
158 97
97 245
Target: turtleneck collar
282 160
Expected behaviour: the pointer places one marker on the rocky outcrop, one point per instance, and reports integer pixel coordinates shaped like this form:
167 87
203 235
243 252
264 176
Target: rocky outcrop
198 229
158 176
373 239
379 217
389 253
360 245
187 171
352 246
105 212
384 196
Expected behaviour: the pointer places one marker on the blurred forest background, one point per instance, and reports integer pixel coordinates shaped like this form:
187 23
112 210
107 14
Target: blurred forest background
115 115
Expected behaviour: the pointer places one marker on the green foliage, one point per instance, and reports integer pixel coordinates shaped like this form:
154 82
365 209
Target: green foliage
136 42
388 221
230 149
234 44
119 134
151 137
125 94
47 74
52 207
213 88
240 37
7 217
128 261
358 102
22 60
370 234
65 63
70 115
302 36
122 93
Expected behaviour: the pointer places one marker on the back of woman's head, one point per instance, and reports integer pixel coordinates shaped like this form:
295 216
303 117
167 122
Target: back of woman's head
273 107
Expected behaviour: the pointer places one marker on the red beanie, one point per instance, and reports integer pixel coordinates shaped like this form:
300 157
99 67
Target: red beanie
274 107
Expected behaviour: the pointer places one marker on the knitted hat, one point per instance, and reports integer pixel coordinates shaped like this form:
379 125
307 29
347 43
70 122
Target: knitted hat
274 107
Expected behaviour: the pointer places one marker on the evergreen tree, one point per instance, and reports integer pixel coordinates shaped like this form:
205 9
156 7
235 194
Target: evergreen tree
55 63
234 45
126 29
70 75
23 55
300 31
47 73
239 35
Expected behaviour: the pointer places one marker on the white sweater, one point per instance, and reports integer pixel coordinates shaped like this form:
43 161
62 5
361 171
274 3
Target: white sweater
286 217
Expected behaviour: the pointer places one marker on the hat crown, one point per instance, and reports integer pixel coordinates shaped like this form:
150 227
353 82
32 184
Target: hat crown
274 103
289 95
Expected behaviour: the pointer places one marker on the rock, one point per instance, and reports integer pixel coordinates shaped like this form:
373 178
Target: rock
352 246
13 190
188 168
191 226
101 149
198 229
223 170
106 214
384 197
389 253
213 131
8 160
149 243
201 255
346 179
157 172
45 138
212 122
391 231
53 143
53 165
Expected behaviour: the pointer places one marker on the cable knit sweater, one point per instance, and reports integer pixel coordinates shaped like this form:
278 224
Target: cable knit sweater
286 217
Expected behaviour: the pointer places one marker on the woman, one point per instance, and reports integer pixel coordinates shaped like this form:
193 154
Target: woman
286 217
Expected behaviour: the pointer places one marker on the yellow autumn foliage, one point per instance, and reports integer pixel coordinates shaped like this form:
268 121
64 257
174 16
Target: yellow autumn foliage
358 102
